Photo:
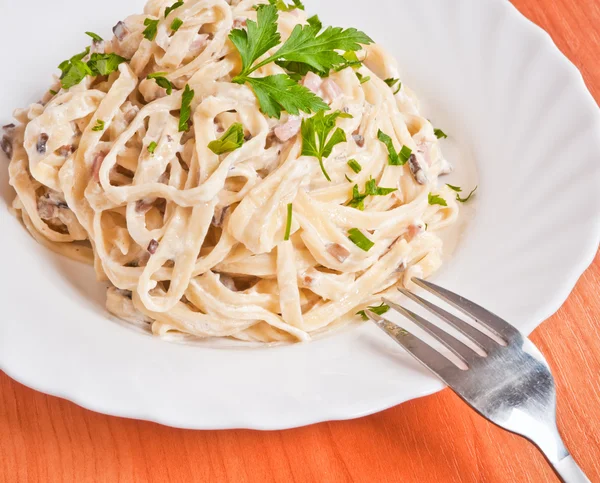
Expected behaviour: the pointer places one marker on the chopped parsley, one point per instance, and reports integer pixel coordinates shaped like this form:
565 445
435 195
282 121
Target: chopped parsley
152 147
459 190
371 189
394 84
379 310
437 200
175 6
186 110
99 126
151 29
362 78
95 37
360 240
75 69
231 140
348 179
104 64
440 134
355 166
316 139
395 158
53 92
176 24
162 81
288 224
281 5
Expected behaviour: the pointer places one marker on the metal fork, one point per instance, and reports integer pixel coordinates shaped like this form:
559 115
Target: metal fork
511 386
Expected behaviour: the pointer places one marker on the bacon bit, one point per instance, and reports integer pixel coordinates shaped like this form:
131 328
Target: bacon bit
417 169
288 130
312 82
414 231
152 247
97 164
66 150
308 280
331 91
359 139
6 145
338 252
240 22
121 31
41 144
144 206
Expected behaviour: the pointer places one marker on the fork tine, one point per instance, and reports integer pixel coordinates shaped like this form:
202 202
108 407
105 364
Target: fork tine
486 343
492 322
422 352
463 352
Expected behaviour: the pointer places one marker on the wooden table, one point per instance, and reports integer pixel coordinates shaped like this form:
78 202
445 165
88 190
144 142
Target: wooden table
435 439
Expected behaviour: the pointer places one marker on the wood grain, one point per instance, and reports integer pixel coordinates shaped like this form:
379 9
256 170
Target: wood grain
435 439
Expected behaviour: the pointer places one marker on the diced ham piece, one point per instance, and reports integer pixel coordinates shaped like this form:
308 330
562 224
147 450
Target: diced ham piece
288 130
312 82
415 230
338 252
331 91
97 164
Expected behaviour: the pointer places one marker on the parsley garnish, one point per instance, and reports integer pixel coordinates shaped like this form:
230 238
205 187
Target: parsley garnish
104 64
459 190
176 5
186 110
306 49
162 81
371 189
440 134
152 147
74 70
355 166
361 241
437 200
394 158
288 224
53 92
99 126
281 5
315 22
230 141
392 83
351 61
95 37
176 24
316 131
348 179
379 310
151 29
362 78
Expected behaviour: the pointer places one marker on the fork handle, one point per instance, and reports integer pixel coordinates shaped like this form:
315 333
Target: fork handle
569 471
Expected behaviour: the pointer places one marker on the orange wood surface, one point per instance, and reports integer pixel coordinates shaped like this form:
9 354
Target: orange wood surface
434 439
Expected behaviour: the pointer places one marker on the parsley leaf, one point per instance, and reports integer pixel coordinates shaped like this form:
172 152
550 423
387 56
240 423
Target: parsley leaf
259 37
53 92
277 93
230 141
440 134
371 189
362 78
351 61
104 64
162 81
392 83
151 29
355 166
379 310
99 126
458 189
464 200
186 110
176 24
288 225
281 5
175 6
95 37
315 134
437 200
152 147
74 70
315 22
360 240
395 158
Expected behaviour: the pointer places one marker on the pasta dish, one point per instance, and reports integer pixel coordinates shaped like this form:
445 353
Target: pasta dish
234 168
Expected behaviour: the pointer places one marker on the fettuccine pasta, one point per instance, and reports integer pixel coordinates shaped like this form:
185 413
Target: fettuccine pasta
254 243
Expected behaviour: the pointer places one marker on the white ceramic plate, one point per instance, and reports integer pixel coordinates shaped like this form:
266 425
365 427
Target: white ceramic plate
512 104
